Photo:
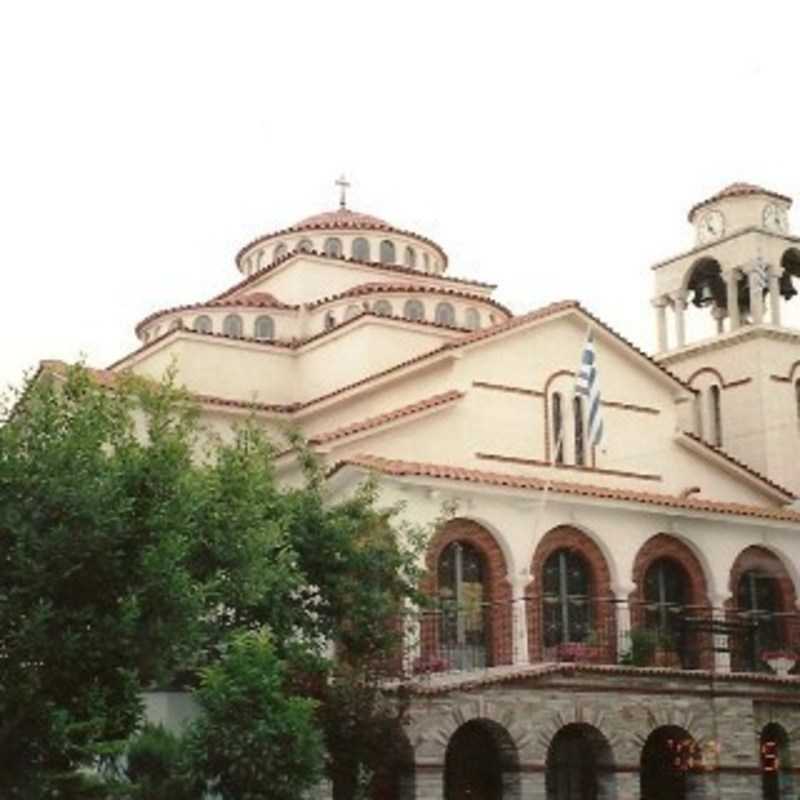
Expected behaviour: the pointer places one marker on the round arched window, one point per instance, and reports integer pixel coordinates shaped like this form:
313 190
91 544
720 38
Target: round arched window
383 308
566 596
666 592
202 324
333 247
280 251
758 601
411 257
232 325
264 327
414 310
472 319
387 252
175 324
361 249
445 314
305 246
353 311
460 573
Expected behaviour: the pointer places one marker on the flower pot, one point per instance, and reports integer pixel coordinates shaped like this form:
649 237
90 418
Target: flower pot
780 662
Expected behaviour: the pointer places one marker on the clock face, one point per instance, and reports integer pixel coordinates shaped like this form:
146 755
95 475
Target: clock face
711 226
775 218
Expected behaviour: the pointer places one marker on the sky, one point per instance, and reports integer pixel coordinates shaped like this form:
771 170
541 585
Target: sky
551 148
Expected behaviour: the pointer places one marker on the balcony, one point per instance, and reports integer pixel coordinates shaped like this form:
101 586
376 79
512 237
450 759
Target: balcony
464 640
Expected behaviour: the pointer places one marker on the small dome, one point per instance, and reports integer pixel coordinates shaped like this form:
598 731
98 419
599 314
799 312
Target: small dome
342 217
736 190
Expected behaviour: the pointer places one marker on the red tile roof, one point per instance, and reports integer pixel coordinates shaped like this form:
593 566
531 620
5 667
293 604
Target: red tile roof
399 468
736 190
428 403
249 300
342 219
377 265
376 287
740 464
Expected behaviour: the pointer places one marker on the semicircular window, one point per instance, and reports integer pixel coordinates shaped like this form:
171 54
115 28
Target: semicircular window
264 327
383 308
414 310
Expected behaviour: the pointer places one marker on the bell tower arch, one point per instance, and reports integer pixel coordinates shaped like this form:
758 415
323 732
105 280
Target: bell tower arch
721 310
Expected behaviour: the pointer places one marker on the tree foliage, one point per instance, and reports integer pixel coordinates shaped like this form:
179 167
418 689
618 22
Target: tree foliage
137 549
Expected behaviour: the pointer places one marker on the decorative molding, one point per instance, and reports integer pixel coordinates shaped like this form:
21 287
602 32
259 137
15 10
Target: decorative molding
630 407
499 387
535 462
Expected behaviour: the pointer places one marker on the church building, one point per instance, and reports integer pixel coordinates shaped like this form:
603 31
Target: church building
617 581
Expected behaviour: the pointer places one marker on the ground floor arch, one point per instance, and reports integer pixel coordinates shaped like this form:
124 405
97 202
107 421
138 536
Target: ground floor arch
481 763
580 765
671 766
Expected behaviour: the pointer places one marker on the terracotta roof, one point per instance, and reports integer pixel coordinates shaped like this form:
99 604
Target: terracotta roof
375 287
736 190
442 683
428 403
399 468
105 377
251 300
740 464
375 264
342 219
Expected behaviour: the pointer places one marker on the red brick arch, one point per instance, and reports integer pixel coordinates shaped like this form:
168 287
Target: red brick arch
565 537
760 558
664 546
496 584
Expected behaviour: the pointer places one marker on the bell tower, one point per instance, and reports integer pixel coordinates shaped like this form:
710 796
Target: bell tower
745 367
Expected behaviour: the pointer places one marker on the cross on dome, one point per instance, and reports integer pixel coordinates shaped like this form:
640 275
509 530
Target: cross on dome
343 185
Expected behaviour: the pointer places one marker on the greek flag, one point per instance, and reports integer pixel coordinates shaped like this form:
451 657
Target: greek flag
588 386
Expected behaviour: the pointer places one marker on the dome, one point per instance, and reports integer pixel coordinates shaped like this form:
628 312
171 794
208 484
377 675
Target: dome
739 189
341 218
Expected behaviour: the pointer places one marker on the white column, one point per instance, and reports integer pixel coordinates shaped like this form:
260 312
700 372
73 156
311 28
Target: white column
519 621
774 295
679 305
732 286
660 305
623 612
756 297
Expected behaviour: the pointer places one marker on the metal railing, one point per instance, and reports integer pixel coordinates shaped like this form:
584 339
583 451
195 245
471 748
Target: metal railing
450 638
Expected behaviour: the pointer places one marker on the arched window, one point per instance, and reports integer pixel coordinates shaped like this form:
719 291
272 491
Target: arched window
566 596
383 308
232 325
715 415
305 246
414 310
248 265
666 593
260 259
445 314
797 398
777 780
558 428
330 321
387 252
146 336
353 311
333 247
202 324
577 412
426 262
411 257
280 251
698 413
757 598
463 621
175 324
360 249
264 327
472 319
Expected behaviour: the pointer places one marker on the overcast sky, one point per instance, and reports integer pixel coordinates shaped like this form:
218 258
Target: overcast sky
552 148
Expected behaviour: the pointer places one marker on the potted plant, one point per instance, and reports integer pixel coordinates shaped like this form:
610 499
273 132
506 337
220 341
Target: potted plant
665 654
643 643
591 650
780 661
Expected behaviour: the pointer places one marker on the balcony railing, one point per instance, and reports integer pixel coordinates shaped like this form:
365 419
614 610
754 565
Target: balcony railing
533 630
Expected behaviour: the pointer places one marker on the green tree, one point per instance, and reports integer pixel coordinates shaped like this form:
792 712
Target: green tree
135 548
254 739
